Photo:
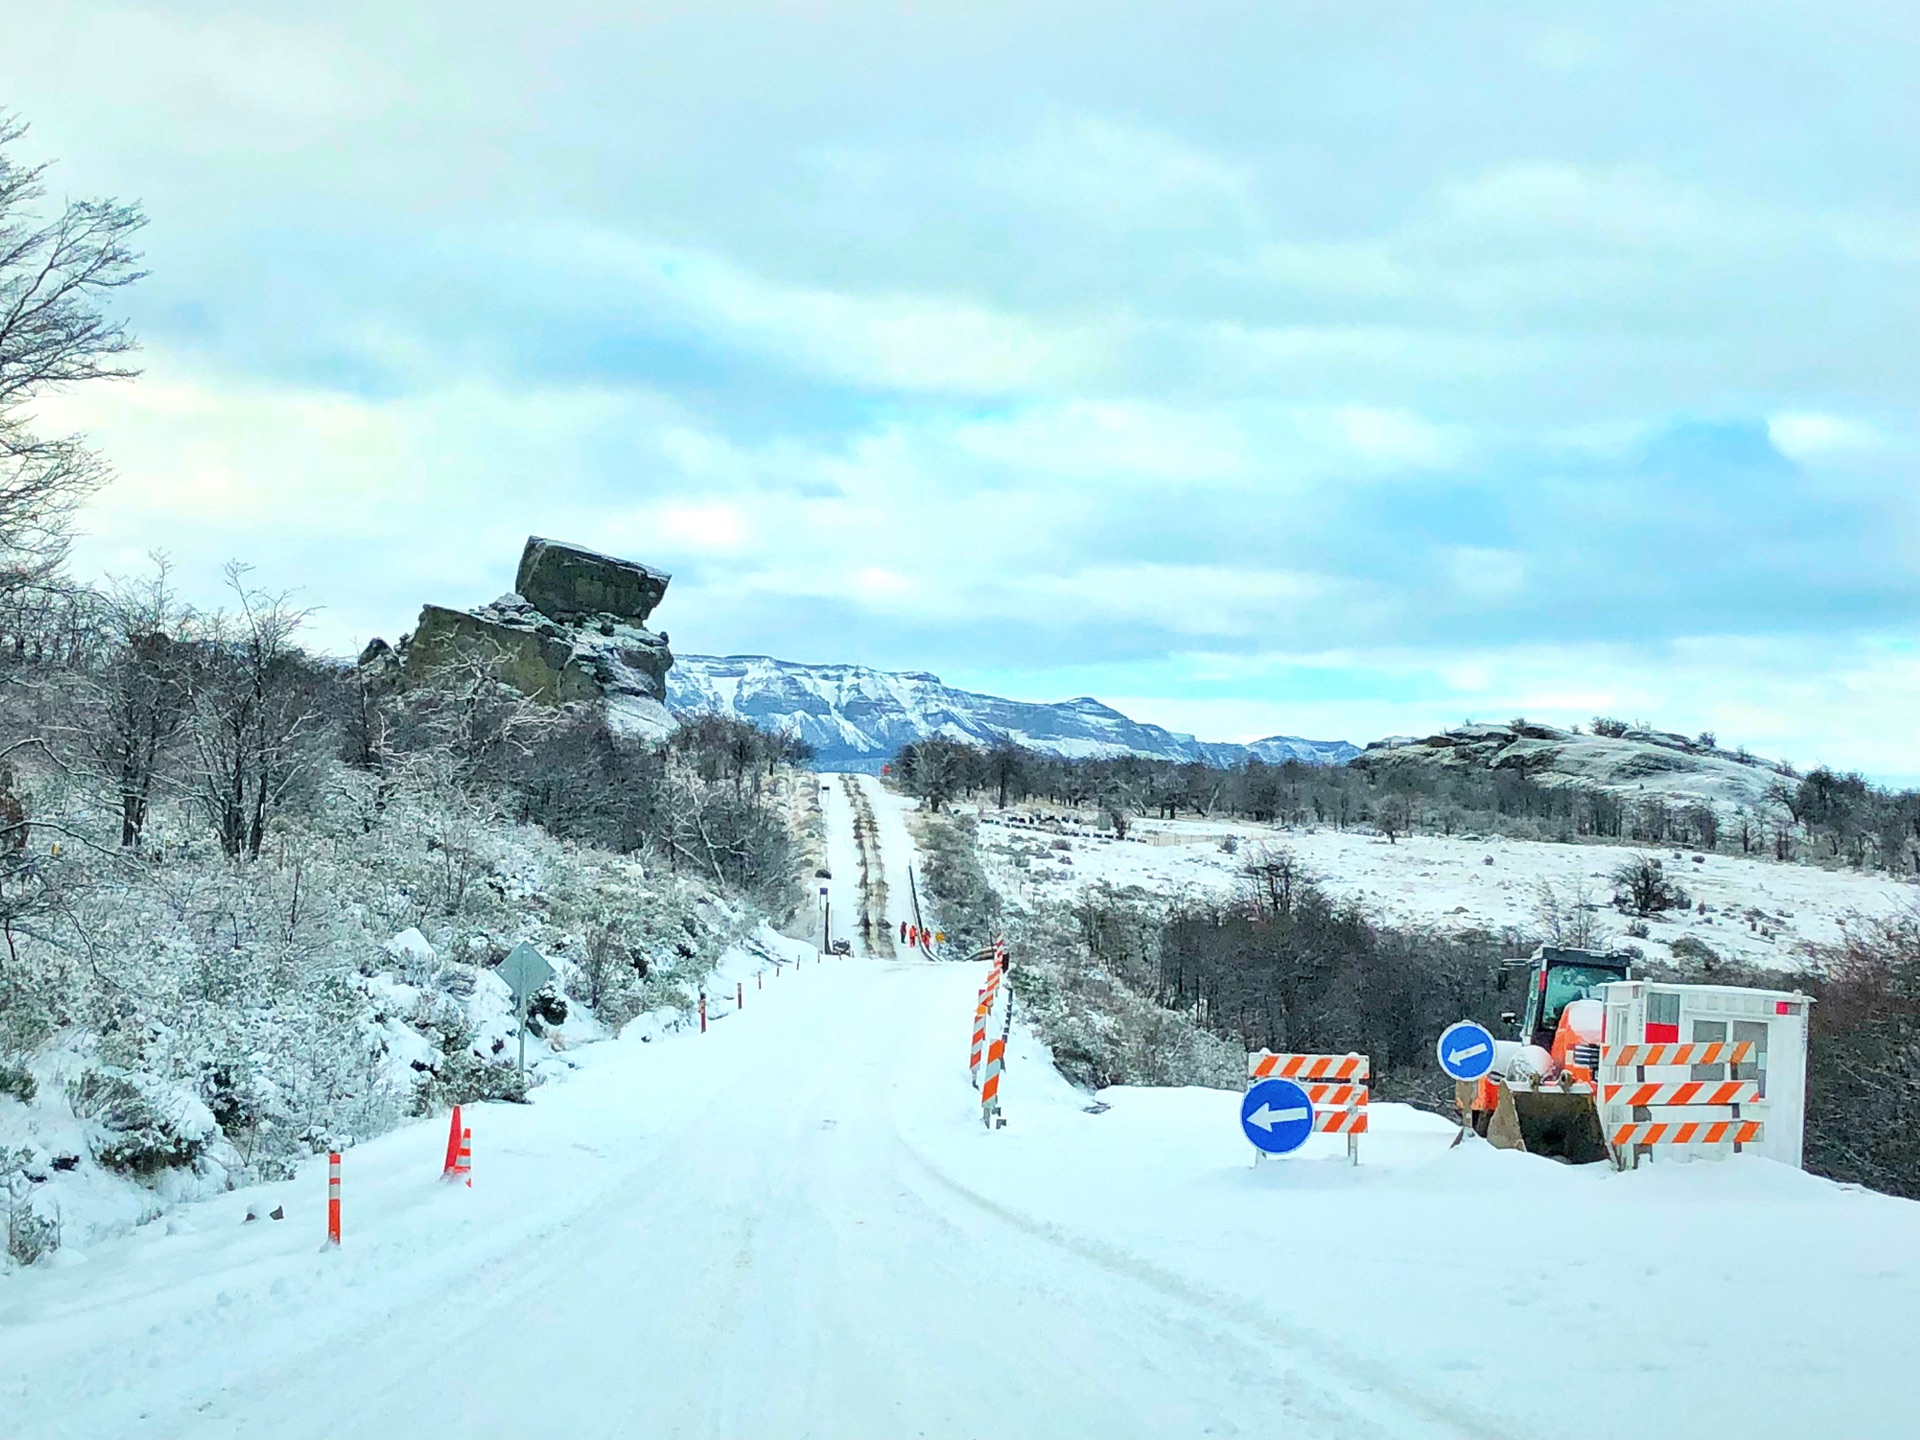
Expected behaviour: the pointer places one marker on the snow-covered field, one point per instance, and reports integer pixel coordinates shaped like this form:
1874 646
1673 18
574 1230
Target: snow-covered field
1756 910
794 1225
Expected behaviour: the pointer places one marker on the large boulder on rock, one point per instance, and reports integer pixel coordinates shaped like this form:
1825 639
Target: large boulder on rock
582 640
567 582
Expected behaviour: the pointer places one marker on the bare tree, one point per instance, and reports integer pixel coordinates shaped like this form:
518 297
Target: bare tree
252 713
55 274
1643 887
1274 875
132 708
1393 817
1569 917
1006 768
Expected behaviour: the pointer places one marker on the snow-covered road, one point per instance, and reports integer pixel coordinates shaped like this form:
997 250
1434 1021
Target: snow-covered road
794 1225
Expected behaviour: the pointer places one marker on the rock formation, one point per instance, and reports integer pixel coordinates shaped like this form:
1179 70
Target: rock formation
573 631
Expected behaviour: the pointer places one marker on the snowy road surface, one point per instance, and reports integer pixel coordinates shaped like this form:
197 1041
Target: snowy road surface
794 1226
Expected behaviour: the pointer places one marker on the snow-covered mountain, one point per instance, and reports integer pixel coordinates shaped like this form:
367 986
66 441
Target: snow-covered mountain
857 718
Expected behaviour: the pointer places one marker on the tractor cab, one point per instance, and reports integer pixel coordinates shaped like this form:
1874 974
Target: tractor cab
1557 977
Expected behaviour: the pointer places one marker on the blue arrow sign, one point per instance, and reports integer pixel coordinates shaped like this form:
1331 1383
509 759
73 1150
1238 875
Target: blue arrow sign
1277 1116
1466 1050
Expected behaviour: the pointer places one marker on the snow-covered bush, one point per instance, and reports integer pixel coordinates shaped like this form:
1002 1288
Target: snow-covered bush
29 1233
17 1081
147 1128
1642 887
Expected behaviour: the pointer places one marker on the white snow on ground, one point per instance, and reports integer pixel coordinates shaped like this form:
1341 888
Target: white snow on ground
843 863
1757 910
794 1225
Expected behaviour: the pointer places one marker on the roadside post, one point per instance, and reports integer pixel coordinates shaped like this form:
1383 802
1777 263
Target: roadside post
525 970
1465 1051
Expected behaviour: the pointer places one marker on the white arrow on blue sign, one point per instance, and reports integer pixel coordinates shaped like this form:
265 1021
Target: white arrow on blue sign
1277 1116
1466 1050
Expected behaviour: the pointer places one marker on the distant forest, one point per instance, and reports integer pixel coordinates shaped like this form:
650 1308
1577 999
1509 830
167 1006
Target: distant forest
1822 816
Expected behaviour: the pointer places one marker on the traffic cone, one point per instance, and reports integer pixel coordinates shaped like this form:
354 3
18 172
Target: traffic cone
464 1166
452 1167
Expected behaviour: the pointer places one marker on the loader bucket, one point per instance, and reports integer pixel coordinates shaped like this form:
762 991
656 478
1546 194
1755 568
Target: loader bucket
1548 1122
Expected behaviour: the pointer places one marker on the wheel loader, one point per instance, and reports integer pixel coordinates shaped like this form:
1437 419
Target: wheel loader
1540 1095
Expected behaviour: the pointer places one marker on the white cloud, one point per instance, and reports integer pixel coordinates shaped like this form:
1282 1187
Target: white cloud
716 528
894 340
1096 169
1113 440
1392 437
1808 435
1486 576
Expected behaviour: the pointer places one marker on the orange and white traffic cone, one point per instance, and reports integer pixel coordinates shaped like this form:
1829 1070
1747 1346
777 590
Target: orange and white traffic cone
451 1169
463 1166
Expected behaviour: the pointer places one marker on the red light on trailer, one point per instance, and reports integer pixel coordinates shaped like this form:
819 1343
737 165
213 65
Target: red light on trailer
1784 1007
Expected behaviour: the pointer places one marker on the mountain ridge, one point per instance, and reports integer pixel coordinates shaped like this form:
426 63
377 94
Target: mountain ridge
857 717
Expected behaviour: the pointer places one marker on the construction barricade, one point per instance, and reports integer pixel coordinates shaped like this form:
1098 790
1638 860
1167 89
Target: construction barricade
1337 1086
983 1008
1675 1106
987 1076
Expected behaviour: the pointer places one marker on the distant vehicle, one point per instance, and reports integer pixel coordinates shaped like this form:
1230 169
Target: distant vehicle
823 873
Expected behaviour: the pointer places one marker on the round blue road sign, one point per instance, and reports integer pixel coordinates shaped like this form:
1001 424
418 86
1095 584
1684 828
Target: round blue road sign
1277 1116
1466 1050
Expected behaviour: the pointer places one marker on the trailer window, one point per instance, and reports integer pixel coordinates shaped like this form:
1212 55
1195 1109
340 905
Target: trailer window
1663 1018
1705 1032
1756 1068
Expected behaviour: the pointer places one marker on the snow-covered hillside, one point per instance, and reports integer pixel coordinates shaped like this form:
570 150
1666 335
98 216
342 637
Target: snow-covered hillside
1637 763
1757 911
857 718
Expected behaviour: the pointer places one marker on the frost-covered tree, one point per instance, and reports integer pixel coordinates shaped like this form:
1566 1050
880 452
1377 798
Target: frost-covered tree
132 705
256 706
59 269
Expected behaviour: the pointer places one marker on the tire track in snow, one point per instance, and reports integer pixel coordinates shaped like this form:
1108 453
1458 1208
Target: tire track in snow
1368 1392
876 934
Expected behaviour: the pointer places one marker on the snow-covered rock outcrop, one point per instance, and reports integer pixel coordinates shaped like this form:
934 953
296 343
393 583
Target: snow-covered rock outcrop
1637 761
572 630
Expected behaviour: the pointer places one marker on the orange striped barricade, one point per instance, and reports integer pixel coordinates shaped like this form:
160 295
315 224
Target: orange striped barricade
990 1115
333 1197
982 1013
1336 1084
1671 1106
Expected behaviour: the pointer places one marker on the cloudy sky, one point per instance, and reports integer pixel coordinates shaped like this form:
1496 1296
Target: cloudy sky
1323 368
